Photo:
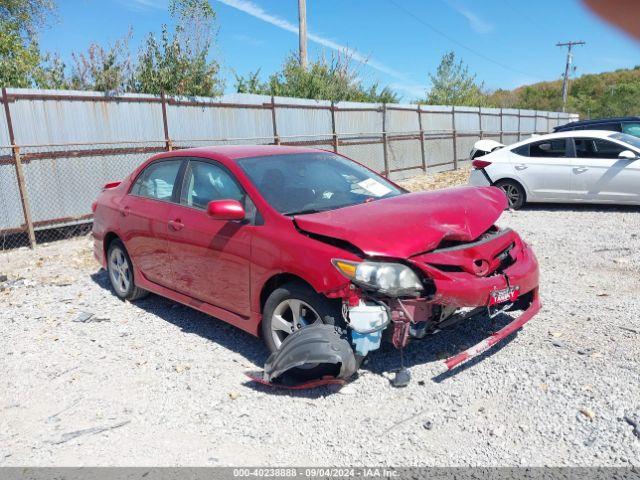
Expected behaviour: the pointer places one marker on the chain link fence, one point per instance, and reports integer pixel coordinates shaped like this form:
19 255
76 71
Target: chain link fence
48 183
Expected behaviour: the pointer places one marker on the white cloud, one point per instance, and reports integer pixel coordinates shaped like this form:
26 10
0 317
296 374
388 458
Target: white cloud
144 5
475 22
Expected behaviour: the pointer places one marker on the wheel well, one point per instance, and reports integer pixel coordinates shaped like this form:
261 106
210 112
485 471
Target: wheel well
277 281
108 238
512 180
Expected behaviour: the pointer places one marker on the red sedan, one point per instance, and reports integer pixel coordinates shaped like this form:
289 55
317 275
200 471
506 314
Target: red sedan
273 239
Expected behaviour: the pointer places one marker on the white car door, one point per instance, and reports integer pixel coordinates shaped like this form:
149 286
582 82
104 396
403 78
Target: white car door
599 175
544 168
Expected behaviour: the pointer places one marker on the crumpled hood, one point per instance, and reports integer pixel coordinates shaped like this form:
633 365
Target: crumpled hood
412 223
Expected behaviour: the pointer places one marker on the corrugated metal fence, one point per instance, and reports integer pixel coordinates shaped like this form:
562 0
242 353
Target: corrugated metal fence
58 148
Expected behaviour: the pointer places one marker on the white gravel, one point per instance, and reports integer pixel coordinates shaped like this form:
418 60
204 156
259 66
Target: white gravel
156 383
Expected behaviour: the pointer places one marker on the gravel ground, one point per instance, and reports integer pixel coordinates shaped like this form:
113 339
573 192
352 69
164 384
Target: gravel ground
88 380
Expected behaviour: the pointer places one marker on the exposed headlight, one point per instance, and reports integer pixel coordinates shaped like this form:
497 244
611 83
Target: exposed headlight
393 279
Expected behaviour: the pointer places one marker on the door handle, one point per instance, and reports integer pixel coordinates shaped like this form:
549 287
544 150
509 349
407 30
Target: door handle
125 211
580 169
521 166
176 224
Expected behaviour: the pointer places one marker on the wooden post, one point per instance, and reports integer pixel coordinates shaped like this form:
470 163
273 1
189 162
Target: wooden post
165 123
334 137
276 138
22 186
454 136
384 140
423 156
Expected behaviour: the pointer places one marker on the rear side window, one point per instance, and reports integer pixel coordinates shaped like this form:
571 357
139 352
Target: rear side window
597 148
548 148
631 128
157 180
606 126
522 150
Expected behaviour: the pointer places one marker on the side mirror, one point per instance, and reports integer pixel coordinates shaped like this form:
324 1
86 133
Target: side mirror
225 210
627 155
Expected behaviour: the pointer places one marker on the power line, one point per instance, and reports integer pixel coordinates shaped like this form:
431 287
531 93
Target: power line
460 44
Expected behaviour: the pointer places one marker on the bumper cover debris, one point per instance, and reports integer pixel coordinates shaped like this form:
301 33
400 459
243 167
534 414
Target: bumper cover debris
310 357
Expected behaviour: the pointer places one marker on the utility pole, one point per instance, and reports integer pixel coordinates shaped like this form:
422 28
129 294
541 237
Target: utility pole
565 81
302 32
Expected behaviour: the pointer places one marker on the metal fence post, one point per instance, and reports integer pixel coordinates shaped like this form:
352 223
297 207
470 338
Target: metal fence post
454 136
501 127
384 140
276 138
165 123
22 187
423 156
519 123
480 121
334 135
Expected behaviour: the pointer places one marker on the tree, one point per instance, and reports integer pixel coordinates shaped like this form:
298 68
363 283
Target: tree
104 70
454 85
19 51
333 79
179 62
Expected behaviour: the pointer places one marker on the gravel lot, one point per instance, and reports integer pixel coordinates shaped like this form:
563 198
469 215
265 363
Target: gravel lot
156 383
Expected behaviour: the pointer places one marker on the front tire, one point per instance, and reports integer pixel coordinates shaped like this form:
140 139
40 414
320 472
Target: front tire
516 195
293 306
120 270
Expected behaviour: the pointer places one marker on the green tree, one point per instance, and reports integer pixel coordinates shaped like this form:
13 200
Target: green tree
178 62
452 84
333 79
103 69
19 52
19 58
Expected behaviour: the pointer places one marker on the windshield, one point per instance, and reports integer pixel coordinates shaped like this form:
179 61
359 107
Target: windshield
626 138
314 182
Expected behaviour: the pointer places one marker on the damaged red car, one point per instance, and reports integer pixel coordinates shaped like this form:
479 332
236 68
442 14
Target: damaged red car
314 252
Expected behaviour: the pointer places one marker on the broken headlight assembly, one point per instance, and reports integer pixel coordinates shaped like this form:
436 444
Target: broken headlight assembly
392 279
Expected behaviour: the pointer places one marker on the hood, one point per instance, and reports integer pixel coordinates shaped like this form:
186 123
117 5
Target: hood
412 223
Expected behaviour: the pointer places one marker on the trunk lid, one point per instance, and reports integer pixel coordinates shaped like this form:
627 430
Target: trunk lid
410 224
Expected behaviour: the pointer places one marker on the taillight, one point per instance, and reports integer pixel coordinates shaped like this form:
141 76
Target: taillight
478 164
111 185
94 205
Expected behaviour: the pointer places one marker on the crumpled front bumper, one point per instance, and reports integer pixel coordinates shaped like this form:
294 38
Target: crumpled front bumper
496 337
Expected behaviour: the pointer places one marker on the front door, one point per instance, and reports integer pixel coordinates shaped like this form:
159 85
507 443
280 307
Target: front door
600 176
210 258
143 216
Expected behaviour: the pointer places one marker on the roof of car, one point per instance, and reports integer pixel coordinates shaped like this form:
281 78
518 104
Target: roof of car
233 152
594 121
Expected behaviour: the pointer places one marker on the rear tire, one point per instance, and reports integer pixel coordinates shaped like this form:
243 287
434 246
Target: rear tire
516 196
292 306
120 270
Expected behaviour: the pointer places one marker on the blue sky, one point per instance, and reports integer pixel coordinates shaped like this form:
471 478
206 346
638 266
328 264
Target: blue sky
505 42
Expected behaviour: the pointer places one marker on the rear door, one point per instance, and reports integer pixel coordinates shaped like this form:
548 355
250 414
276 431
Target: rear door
211 258
600 176
544 167
143 217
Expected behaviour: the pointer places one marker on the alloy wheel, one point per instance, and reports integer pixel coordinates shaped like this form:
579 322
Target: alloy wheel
119 271
291 315
512 193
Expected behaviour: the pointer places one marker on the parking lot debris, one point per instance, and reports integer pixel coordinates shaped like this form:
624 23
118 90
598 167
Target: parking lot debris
634 422
65 437
587 412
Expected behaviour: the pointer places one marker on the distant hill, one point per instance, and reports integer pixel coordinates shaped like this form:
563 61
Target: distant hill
604 94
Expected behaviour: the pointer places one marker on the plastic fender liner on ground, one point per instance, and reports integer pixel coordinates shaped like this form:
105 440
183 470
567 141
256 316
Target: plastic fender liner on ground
310 357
